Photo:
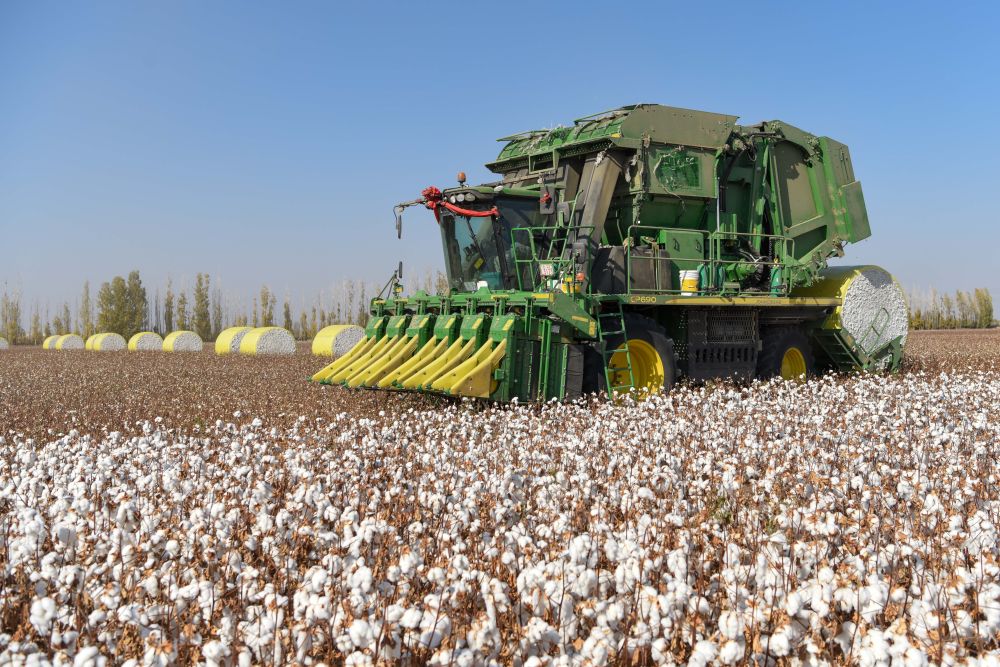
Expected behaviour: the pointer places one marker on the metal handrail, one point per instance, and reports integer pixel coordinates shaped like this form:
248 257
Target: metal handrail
710 247
555 254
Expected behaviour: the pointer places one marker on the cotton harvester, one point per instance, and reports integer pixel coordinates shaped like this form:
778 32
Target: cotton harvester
635 247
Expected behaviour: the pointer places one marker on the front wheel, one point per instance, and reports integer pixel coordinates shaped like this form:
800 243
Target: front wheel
650 352
786 353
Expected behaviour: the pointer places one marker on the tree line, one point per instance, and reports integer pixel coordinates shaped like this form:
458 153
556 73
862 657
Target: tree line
963 310
123 305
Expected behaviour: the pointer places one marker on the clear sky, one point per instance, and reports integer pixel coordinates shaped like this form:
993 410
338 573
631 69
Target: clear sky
266 142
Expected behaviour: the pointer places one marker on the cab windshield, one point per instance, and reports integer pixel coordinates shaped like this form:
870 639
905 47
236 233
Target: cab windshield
478 249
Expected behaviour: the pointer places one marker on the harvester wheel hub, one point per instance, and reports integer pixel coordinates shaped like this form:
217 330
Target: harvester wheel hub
648 370
793 364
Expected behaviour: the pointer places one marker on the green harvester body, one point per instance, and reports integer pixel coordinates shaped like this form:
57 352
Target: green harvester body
710 231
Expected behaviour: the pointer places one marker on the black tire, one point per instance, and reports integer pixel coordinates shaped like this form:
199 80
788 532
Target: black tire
639 327
593 370
776 343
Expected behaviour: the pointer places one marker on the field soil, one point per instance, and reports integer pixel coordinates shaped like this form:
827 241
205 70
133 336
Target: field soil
49 393
189 508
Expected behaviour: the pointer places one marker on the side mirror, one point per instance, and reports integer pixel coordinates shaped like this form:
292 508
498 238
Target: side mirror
399 271
398 210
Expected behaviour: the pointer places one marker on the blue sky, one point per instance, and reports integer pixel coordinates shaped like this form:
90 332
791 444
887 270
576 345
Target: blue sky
267 142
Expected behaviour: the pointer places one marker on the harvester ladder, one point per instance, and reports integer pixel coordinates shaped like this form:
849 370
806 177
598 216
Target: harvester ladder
839 353
609 325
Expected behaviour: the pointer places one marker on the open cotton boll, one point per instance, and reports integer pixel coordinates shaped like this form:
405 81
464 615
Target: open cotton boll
69 342
182 341
336 340
145 341
108 342
228 341
268 340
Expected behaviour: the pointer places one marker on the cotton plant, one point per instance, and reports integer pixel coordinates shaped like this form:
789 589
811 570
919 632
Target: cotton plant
841 520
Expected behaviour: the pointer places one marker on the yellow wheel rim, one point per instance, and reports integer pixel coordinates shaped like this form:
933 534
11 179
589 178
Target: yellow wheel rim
647 367
793 364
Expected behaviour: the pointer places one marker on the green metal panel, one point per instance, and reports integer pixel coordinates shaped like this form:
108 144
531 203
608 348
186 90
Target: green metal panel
758 210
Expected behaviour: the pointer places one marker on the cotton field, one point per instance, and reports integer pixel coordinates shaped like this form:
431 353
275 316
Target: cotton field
223 511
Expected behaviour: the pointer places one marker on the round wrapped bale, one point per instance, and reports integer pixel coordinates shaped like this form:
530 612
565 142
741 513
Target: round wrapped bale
89 345
229 339
336 339
873 307
145 341
268 340
3 343
69 342
182 341
108 342
50 343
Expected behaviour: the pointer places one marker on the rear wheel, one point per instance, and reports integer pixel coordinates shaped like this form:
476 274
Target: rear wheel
650 351
786 353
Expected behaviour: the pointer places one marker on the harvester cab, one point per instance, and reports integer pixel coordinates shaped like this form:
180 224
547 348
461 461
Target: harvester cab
636 246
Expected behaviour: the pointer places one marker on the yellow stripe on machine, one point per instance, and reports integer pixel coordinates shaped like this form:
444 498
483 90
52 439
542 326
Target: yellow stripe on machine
424 355
389 362
479 382
453 356
365 363
362 360
361 347
447 380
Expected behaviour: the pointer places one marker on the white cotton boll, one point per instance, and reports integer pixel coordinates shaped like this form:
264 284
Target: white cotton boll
358 659
214 652
43 611
172 548
914 657
793 603
89 656
361 579
411 618
779 644
731 624
361 634
731 652
703 654
932 505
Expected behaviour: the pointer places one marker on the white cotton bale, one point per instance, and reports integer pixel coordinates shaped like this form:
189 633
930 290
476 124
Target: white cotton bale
268 340
182 341
145 341
69 342
3 343
873 306
336 340
875 310
228 341
50 343
109 342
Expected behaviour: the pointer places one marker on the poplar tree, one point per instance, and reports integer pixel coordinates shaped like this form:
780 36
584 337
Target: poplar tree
202 317
182 311
168 309
136 306
36 326
113 307
267 303
287 315
216 313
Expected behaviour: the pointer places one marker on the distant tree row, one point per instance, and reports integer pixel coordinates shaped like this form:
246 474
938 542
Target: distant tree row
123 306
963 310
